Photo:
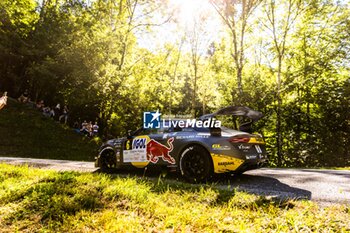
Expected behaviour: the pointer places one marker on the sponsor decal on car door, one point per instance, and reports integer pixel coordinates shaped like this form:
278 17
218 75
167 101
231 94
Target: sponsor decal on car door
141 150
135 151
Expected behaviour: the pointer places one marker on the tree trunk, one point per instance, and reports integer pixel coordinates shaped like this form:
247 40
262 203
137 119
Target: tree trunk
193 110
278 115
239 84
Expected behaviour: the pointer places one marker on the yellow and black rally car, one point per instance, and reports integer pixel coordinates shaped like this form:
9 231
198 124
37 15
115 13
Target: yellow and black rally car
195 152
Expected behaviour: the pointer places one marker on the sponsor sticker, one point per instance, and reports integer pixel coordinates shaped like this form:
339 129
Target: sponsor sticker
156 150
224 163
220 147
258 149
243 147
136 150
142 150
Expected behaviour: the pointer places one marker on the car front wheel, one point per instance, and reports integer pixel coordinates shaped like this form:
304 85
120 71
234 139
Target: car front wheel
108 161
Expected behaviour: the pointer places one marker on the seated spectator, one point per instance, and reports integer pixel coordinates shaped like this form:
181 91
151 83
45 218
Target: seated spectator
24 98
47 111
76 127
95 128
40 105
64 115
52 112
89 128
57 111
84 128
3 100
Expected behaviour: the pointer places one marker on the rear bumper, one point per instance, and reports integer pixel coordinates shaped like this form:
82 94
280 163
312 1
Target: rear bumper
250 165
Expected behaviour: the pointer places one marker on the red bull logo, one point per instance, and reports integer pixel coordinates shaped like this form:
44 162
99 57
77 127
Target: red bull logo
156 150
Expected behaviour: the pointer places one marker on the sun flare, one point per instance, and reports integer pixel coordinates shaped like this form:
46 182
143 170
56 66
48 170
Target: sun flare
188 11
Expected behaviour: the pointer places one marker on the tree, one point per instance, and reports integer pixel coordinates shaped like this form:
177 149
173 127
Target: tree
280 28
235 15
16 24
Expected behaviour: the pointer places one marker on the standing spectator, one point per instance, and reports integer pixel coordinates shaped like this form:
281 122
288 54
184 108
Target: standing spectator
95 128
64 114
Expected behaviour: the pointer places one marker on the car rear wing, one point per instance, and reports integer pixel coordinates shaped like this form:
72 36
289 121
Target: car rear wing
236 111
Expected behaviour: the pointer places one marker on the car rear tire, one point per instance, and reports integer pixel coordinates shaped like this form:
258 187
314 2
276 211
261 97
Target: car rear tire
195 164
108 161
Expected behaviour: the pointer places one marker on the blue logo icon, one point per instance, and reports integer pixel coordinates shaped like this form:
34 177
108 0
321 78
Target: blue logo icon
151 120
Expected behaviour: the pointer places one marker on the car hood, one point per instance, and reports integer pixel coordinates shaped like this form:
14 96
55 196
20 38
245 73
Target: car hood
235 111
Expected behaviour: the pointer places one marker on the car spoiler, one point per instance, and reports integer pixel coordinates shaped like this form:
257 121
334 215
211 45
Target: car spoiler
237 111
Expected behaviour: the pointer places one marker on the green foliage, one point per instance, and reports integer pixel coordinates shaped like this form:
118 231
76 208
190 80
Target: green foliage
38 200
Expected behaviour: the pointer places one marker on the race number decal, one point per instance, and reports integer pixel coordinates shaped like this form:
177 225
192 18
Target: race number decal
138 150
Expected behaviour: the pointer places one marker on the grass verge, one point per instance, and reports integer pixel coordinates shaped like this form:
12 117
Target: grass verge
38 200
26 133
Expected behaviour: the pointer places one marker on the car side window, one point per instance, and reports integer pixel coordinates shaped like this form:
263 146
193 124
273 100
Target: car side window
163 130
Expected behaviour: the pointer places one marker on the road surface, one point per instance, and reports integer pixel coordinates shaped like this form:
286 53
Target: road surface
323 186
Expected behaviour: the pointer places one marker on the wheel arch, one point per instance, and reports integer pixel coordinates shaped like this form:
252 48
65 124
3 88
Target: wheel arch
104 149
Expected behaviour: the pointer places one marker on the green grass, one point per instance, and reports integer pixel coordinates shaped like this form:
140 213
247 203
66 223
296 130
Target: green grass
26 133
38 200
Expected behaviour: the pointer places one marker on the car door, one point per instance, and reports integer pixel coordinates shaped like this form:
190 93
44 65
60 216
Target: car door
149 146
135 148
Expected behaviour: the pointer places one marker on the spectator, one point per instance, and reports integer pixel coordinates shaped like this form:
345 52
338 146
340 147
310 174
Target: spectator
64 114
47 111
52 112
95 128
84 128
24 98
3 100
89 128
57 111
76 127
40 105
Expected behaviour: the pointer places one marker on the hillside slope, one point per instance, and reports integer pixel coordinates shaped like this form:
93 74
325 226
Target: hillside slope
24 132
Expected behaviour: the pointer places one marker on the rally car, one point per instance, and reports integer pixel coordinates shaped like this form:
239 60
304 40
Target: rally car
195 152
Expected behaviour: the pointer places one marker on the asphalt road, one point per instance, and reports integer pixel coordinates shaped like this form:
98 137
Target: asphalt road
323 186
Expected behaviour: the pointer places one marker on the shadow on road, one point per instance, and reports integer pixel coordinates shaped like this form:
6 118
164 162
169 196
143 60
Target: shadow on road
264 185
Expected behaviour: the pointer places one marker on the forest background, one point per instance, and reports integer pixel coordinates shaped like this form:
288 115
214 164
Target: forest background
113 59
